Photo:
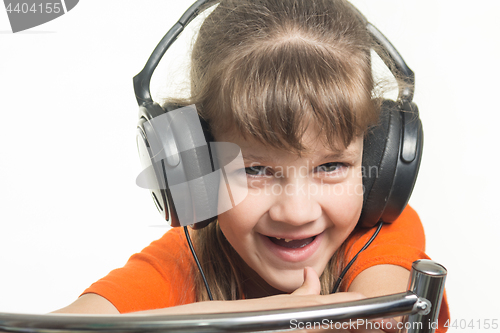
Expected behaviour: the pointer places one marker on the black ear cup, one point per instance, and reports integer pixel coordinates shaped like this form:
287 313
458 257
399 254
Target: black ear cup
181 159
392 151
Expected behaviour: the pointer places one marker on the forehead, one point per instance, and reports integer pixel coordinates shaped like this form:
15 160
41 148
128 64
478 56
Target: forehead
315 148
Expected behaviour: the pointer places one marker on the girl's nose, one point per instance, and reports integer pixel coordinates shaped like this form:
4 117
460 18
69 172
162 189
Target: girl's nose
295 203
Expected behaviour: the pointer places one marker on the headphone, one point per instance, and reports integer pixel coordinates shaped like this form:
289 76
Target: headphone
175 146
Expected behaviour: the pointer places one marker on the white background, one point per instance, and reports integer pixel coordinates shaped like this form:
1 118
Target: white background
69 207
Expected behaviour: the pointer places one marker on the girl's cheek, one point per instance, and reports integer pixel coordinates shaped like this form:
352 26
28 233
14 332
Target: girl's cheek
243 216
233 192
343 202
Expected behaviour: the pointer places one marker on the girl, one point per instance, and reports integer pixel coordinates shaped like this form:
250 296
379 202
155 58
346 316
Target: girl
290 82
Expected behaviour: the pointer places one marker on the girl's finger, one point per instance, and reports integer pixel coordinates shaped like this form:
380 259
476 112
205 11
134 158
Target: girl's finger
311 285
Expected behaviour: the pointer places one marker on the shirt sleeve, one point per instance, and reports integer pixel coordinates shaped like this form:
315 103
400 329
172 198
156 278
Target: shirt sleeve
399 243
159 276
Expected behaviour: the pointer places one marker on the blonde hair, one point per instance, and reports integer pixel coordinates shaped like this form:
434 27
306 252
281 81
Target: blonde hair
268 69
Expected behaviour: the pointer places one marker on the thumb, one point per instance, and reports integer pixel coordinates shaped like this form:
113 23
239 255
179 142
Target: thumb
311 285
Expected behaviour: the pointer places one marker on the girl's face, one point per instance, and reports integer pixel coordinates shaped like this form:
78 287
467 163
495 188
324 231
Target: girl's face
298 210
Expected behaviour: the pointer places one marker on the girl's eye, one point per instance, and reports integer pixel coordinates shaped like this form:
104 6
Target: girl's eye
331 167
256 171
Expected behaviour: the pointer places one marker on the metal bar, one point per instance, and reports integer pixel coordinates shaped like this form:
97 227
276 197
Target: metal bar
427 280
257 321
420 305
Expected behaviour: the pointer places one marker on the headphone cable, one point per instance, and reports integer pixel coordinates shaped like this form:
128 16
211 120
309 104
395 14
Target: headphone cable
188 238
341 276
335 287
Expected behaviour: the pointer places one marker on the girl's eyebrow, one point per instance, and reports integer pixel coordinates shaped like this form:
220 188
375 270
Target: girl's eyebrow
251 157
272 158
348 154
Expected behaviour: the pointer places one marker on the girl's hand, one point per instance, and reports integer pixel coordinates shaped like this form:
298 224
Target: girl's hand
311 286
306 295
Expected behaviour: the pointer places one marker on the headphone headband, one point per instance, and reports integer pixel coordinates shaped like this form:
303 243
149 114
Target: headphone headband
394 146
143 79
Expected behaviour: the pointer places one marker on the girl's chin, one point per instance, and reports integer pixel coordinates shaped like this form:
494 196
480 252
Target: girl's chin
286 282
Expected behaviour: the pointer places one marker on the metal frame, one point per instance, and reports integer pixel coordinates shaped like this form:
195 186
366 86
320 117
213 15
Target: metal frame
420 304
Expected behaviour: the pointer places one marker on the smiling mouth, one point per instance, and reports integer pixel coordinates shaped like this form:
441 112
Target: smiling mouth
292 243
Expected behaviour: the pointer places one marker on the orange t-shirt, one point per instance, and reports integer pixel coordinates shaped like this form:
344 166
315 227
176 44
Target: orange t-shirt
161 274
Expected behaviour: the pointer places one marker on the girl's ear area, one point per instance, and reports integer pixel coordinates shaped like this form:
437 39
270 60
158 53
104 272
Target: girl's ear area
378 152
209 137
360 144
385 195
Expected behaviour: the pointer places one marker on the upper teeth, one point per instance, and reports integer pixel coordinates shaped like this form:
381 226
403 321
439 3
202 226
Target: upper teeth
286 239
